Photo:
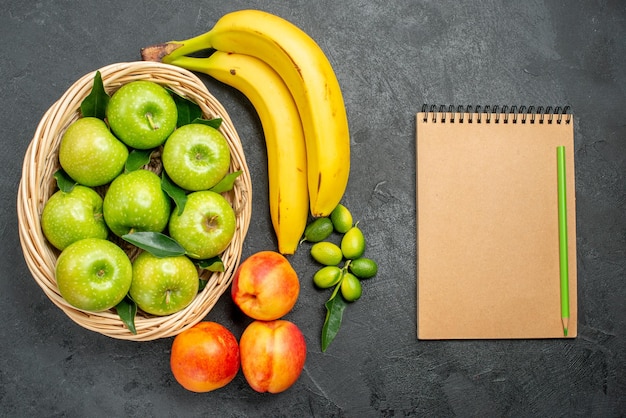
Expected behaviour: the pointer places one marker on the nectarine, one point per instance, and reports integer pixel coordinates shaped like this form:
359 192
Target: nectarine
205 357
273 354
265 286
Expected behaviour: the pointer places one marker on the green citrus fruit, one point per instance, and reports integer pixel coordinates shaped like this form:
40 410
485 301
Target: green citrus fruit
318 230
326 253
363 268
350 287
341 219
327 276
353 243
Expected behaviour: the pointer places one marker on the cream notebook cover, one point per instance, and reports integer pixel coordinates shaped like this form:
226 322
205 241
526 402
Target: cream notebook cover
487 223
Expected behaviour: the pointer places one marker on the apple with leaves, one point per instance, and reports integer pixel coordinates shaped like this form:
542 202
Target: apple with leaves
142 114
73 215
163 285
90 154
135 201
93 274
196 156
206 226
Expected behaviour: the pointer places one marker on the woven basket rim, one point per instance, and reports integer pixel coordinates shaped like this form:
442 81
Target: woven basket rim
37 184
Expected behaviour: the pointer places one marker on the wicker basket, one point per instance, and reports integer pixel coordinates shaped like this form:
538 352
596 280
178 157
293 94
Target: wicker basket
38 184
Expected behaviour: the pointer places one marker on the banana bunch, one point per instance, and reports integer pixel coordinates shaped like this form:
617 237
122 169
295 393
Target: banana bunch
294 90
284 137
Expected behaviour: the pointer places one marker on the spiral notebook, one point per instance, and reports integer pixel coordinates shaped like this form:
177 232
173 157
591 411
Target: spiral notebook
488 250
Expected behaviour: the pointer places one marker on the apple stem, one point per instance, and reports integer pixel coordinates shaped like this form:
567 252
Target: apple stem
151 121
167 297
211 221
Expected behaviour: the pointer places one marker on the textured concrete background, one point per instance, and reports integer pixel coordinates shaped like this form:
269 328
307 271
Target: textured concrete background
390 58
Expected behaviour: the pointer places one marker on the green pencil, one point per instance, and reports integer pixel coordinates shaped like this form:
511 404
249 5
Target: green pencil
563 258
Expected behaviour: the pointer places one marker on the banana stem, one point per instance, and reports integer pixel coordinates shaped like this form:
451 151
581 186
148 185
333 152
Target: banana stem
192 63
170 51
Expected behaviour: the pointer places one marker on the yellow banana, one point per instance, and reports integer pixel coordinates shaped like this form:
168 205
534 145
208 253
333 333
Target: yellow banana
309 76
286 151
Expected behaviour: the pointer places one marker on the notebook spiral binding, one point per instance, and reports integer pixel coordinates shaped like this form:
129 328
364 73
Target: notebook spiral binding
496 114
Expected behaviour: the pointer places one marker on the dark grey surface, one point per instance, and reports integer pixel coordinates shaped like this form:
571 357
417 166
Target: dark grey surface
390 57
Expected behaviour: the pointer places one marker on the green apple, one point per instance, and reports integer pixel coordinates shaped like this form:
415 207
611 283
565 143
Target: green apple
135 202
142 114
90 154
93 274
196 156
162 286
206 226
70 216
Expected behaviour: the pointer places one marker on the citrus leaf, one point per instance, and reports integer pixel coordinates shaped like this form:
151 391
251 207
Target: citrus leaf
188 110
156 243
64 182
137 158
126 310
94 105
334 314
212 264
214 123
177 194
226 184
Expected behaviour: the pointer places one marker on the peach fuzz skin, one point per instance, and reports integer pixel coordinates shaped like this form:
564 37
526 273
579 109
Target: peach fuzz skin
265 286
205 357
273 354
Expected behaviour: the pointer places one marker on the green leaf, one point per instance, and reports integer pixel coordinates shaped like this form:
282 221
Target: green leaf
137 158
64 182
127 309
212 264
334 314
188 111
156 243
214 123
202 284
227 183
178 195
95 104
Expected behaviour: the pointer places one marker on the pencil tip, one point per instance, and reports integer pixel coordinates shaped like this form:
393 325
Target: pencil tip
565 326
